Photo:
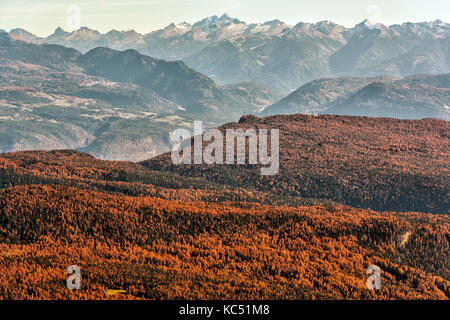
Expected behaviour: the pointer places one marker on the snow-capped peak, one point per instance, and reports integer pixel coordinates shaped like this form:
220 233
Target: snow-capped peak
173 30
214 20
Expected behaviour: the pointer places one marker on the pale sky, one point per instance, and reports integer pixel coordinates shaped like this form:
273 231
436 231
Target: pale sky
42 17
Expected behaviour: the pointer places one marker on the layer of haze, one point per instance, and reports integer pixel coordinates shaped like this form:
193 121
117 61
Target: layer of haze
43 16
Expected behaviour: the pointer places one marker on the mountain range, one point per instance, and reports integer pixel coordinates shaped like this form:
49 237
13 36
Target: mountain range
117 103
113 104
280 56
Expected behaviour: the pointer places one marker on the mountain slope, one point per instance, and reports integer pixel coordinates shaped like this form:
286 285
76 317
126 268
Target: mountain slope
24 34
414 97
44 108
14 48
437 81
379 99
253 93
281 61
172 80
383 164
316 96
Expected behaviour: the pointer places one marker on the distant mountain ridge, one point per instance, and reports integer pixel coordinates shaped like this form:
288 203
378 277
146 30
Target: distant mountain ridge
278 55
414 97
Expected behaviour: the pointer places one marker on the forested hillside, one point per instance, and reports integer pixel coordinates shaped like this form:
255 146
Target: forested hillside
161 249
156 231
378 163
